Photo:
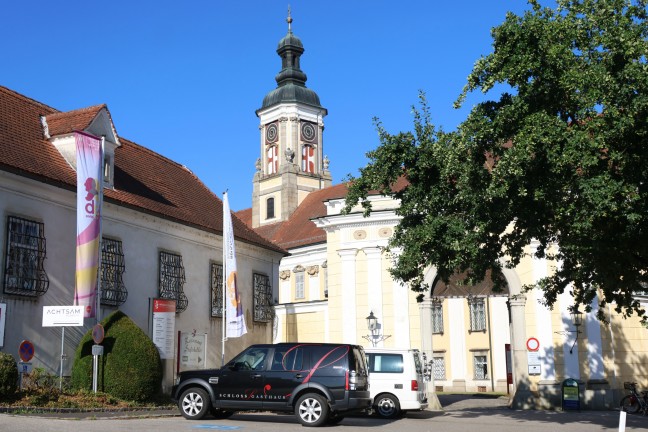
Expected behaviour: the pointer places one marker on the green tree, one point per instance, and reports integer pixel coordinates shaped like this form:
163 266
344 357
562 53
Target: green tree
561 158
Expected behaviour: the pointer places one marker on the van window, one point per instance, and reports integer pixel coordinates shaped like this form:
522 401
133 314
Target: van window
359 362
288 359
329 360
385 363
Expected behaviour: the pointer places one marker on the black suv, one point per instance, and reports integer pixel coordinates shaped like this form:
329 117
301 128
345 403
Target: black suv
320 383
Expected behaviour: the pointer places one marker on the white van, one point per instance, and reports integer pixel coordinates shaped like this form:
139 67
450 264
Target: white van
396 381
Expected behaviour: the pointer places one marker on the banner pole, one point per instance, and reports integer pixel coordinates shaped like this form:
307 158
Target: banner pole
223 283
99 258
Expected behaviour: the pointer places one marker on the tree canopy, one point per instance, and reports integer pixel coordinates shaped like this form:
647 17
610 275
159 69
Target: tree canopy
558 161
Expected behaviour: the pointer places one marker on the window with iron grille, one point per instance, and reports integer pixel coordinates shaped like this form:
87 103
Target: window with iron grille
299 285
25 255
113 290
172 279
480 364
477 314
438 368
216 290
262 298
437 317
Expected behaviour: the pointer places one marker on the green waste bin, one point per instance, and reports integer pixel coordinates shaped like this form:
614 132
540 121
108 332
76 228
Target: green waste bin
570 395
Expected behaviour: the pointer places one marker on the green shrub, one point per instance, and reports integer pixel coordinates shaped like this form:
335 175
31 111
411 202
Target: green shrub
130 367
8 374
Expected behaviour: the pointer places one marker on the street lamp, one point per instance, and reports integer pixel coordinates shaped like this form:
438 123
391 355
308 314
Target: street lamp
577 320
374 329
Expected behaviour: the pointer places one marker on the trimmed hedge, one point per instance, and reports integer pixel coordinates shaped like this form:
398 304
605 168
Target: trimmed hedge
130 367
8 374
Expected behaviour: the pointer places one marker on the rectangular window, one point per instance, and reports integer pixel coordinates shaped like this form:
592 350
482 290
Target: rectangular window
270 208
262 298
477 314
438 368
216 278
113 290
480 364
172 279
287 359
25 255
299 285
437 317
385 363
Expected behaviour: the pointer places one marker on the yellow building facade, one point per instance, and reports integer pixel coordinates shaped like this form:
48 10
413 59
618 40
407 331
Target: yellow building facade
336 273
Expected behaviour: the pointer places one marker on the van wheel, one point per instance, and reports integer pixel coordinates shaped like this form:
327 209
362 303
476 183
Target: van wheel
312 410
386 406
194 403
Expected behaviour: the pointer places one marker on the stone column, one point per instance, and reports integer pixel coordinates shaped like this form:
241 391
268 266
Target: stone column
425 311
522 398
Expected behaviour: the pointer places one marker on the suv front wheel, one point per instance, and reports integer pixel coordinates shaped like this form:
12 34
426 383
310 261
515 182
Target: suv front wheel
312 410
194 403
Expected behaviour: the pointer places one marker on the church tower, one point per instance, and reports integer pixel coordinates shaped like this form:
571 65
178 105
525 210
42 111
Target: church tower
292 162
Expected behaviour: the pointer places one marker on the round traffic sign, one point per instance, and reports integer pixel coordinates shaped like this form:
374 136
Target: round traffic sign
26 350
533 344
98 333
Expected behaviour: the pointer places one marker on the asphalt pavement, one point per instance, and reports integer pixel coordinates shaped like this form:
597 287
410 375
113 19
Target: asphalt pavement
460 413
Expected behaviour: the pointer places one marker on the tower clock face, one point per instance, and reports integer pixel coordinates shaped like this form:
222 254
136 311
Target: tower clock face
308 132
271 133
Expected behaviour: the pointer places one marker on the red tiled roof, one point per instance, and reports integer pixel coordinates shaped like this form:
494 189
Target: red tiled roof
299 230
66 122
144 180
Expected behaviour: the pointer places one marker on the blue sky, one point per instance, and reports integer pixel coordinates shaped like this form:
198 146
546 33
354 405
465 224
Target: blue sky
184 78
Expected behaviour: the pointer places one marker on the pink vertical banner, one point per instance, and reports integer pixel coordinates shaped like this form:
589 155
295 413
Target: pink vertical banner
234 308
89 182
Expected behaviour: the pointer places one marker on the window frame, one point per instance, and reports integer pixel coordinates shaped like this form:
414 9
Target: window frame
262 298
436 359
216 289
113 264
437 316
270 208
477 313
25 253
171 279
477 364
300 281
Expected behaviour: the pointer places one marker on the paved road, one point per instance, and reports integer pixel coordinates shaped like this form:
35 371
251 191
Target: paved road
459 420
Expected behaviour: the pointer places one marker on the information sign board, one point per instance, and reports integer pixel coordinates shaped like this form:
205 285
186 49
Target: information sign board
62 316
164 326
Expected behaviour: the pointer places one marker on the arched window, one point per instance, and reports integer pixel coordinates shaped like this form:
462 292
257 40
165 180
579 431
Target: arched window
308 158
272 160
270 211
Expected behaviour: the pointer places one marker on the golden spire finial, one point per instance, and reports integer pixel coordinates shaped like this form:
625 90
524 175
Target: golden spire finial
289 19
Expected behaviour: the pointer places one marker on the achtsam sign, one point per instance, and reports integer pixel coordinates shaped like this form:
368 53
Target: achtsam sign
62 316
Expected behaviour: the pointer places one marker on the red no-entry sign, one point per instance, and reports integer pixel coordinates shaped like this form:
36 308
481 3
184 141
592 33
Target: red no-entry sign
26 350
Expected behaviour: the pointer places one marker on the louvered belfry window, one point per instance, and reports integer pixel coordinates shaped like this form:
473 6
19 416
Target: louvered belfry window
113 290
24 272
172 280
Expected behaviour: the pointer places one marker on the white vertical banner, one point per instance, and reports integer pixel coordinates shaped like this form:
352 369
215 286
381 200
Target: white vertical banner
89 185
233 306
